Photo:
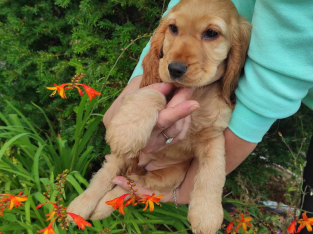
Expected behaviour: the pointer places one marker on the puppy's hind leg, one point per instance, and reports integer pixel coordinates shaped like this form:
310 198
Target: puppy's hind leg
131 127
100 184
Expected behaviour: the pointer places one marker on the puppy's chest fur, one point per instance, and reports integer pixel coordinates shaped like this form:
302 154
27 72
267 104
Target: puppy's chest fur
208 122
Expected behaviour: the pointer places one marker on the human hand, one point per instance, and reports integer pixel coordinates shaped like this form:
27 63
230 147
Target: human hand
174 120
182 192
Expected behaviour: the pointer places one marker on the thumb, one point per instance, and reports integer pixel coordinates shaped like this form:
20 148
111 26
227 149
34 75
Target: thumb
164 88
122 182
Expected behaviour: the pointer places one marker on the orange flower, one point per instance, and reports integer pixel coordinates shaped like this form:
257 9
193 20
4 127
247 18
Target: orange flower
292 227
118 203
90 91
3 204
230 226
132 200
305 222
60 89
49 229
150 200
79 91
81 223
51 215
14 200
1 211
39 206
244 221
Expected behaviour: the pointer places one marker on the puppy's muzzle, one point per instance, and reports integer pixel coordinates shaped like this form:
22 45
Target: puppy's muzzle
177 70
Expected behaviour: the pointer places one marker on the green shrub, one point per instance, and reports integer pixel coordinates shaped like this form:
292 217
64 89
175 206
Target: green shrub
46 42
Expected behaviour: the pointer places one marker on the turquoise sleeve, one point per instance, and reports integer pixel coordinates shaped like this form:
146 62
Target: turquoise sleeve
279 68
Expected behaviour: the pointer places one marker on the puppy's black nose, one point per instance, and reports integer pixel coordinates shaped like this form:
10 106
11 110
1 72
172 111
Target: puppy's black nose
177 70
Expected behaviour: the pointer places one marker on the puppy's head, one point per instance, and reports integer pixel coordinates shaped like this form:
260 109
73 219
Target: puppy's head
197 43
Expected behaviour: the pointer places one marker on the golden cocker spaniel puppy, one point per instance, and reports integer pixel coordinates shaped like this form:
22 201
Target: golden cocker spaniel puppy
200 43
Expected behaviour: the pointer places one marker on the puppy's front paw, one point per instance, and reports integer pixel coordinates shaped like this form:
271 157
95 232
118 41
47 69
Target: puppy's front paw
102 211
83 205
131 127
205 219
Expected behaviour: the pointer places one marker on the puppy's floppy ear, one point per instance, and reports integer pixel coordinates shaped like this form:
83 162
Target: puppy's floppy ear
240 39
150 63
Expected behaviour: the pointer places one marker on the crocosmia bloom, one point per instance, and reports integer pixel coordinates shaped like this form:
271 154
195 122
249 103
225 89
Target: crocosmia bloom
305 222
150 200
59 89
132 200
230 226
90 91
39 206
292 227
118 203
49 229
15 201
50 215
244 221
80 222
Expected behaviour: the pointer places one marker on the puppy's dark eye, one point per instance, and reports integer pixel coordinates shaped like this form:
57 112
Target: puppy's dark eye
174 29
210 34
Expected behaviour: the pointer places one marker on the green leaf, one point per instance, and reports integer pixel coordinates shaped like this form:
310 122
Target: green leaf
48 121
75 184
80 179
35 169
10 142
10 217
27 215
24 118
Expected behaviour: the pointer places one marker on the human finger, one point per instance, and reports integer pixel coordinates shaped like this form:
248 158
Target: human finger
181 95
160 142
164 88
185 128
144 159
171 115
174 130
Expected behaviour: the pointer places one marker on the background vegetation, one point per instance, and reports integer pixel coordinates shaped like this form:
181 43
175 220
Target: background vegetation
46 42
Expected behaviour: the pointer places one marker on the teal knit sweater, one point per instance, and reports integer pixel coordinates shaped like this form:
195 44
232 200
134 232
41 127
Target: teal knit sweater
279 69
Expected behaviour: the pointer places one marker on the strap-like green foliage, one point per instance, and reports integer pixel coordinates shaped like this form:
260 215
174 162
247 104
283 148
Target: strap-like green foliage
29 161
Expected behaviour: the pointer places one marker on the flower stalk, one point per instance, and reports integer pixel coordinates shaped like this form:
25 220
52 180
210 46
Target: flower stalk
58 212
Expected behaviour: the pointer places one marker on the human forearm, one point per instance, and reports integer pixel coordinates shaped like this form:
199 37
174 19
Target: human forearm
237 150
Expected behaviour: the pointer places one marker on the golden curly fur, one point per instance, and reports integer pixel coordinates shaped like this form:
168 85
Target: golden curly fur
213 66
